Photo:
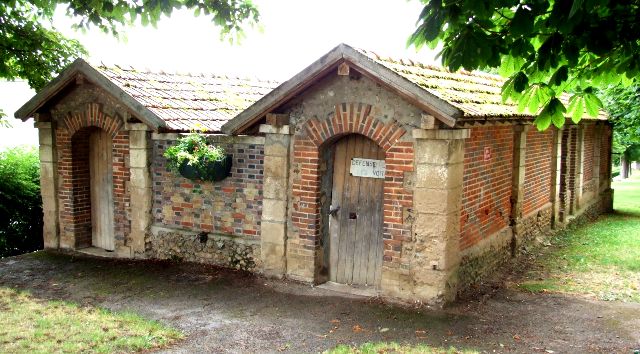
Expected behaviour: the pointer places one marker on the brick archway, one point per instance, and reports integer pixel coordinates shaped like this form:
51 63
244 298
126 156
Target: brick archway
350 118
72 145
92 116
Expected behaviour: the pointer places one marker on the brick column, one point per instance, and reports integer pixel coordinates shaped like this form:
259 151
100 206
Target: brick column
139 188
437 200
579 183
556 166
273 227
48 184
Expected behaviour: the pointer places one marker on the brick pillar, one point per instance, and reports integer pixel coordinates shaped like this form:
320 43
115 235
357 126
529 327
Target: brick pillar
517 180
556 166
273 226
437 200
579 183
140 189
48 184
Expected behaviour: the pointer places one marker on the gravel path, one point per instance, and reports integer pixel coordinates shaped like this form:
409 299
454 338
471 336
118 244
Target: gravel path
226 311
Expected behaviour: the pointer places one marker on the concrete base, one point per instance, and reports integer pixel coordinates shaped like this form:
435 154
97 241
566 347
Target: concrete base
367 291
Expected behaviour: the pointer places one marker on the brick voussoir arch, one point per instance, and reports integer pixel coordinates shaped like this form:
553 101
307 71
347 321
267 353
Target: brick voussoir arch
92 117
353 118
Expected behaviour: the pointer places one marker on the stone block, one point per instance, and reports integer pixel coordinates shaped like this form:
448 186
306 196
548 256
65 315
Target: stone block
273 232
275 166
50 229
46 153
273 260
47 182
138 158
270 129
437 201
138 139
123 252
45 136
432 151
273 210
431 176
140 177
274 188
276 145
441 134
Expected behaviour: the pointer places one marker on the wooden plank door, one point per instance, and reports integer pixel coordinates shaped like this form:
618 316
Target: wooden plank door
101 184
356 228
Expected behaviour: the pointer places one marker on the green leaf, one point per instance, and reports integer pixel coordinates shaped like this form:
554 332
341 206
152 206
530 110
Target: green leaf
592 104
575 7
522 22
576 107
561 75
553 112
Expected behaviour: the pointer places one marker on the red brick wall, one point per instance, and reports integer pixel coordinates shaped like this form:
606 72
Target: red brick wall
232 206
589 133
487 184
307 145
72 143
537 176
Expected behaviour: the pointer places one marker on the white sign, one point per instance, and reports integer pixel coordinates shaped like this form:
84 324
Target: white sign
367 168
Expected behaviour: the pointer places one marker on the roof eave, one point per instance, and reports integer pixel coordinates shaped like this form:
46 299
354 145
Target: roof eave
79 66
441 109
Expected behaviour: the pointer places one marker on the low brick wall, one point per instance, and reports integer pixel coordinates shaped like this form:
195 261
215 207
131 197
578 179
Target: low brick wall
479 262
227 212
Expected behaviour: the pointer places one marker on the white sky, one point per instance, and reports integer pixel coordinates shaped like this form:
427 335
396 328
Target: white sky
295 34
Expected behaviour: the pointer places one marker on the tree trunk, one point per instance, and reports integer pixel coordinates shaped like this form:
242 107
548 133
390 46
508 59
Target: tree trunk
624 167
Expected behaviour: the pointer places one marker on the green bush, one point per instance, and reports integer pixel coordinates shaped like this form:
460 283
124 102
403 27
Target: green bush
20 202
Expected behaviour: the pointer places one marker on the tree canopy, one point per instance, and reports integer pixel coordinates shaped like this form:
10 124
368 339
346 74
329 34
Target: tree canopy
623 106
545 47
32 49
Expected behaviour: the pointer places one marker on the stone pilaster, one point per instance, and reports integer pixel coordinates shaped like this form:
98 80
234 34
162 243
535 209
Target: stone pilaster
556 165
48 184
579 182
140 189
273 227
597 144
517 176
437 199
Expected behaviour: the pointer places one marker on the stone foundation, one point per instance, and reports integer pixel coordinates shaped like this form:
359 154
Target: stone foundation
189 246
536 224
479 261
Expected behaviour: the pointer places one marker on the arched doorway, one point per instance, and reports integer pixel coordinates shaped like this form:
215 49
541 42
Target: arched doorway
93 189
356 212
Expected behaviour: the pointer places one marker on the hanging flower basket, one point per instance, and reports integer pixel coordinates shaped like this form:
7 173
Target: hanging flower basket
217 170
194 159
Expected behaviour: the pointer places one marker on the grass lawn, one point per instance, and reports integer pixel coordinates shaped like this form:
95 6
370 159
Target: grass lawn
375 348
30 325
601 259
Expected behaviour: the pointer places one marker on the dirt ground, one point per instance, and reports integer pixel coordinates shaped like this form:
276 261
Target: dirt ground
226 311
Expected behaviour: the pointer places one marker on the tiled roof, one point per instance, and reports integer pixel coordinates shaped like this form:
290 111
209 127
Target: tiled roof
476 94
185 100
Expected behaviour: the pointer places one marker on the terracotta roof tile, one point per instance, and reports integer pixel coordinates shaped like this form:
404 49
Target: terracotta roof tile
476 94
183 100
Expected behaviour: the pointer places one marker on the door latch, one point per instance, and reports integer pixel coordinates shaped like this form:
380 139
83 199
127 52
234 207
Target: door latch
334 210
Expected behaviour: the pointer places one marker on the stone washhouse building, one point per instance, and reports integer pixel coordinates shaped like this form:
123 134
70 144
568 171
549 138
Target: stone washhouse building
362 172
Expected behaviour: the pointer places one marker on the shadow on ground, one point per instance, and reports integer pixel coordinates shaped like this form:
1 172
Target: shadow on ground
228 311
